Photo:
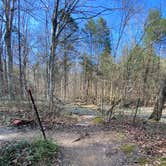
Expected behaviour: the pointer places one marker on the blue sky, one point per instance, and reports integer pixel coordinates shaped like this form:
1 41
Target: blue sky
136 23
113 18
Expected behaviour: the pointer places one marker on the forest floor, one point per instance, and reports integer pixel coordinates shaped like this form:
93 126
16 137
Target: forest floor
85 143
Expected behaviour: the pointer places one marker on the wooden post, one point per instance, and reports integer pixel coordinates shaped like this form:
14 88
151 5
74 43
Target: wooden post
37 114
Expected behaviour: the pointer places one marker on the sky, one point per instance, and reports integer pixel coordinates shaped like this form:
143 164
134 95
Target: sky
113 18
136 24
135 27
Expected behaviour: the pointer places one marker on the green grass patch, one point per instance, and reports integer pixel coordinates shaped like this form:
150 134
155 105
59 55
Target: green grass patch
162 161
25 153
120 136
143 161
98 120
128 148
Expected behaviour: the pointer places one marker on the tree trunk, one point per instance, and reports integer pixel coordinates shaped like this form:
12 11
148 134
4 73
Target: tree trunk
25 60
65 75
1 65
52 58
5 73
10 64
51 77
19 52
46 55
1 73
9 13
157 112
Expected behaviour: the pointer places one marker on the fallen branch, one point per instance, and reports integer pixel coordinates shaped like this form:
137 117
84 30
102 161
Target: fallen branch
82 136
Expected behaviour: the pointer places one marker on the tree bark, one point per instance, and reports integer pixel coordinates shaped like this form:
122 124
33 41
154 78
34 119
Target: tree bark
1 74
19 53
1 64
65 74
52 58
9 13
158 108
25 60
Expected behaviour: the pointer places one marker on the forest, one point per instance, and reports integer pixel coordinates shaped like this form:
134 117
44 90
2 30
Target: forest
82 82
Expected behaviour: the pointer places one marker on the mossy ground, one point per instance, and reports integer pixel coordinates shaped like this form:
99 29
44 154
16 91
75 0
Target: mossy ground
120 136
98 120
128 148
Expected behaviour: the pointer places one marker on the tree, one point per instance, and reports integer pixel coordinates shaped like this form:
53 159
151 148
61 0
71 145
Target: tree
155 31
86 64
133 63
1 58
9 7
60 19
106 65
155 27
89 32
160 100
68 44
19 51
103 35
97 38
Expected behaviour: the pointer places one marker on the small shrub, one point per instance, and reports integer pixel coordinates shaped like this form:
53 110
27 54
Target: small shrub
98 120
120 136
25 153
128 148
162 161
43 150
143 161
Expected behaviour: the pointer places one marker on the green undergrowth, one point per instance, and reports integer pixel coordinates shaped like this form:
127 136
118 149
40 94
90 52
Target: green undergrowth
98 120
38 152
120 136
143 161
162 161
128 148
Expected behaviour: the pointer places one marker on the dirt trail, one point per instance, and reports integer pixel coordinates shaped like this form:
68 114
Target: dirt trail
97 148
82 144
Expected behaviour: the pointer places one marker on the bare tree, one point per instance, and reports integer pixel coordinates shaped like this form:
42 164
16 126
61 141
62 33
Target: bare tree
1 58
9 6
60 18
19 52
127 11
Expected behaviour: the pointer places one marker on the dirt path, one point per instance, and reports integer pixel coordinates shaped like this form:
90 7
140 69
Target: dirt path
82 144
96 147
